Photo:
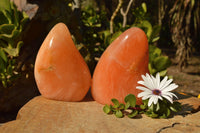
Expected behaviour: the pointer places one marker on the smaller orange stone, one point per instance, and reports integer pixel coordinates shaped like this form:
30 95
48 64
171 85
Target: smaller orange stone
60 71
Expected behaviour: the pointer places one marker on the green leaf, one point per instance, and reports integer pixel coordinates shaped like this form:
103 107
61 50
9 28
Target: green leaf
107 109
155 34
119 114
155 39
6 28
145 102
115 35
25 15
5 5
8 16
147 25
175 107
144 7
121 106
105 33
2 66
163 73
115 102
127 105
3 43
154 50
142 106
23 22
3 55
161 63
163 116
151 69
168 112
10 70
10 37
15 14
3 18
5 84
153 115
131 99
157 106
133 114
151 108
14 51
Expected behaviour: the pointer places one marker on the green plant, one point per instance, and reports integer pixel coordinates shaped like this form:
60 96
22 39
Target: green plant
142 21
163 109
96 35
11 26
92 22
119 109
157 61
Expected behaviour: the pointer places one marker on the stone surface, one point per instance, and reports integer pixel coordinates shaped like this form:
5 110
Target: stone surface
60 71
41 115
120 67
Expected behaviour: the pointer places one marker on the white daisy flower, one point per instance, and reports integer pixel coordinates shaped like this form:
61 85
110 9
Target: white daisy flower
155 89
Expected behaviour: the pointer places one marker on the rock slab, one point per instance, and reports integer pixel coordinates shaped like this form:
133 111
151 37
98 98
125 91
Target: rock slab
41 115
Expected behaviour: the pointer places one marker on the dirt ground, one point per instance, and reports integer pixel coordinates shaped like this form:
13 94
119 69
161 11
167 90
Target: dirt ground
189 79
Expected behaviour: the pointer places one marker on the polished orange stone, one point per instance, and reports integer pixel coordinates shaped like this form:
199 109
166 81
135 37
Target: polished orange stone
120 67
60 71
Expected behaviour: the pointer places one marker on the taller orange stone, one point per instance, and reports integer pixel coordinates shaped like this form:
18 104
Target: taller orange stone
60 71
120 67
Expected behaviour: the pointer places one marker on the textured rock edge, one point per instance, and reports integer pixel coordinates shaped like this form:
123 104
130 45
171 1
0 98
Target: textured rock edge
43 115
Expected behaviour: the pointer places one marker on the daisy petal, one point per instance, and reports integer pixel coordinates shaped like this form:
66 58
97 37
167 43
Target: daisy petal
147 82
149 103
168 98
155 100
158 79
170 94
151 100
151 83
167 94
174 95
147 96
143 88
143 94
160 97
163 82
154 82
170 87
166 84
143 83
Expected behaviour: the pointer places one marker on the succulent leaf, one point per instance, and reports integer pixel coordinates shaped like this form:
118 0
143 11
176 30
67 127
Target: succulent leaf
6 28
3 55
14 51
131 99
5 5
106 109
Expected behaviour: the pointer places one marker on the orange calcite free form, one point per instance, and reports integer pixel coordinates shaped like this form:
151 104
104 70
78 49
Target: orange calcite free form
120 67
60 71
